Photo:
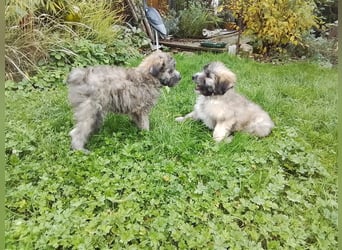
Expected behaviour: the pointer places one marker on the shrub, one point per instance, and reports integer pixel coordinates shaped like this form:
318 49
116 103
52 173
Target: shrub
327 10
178 5
80 53
319 49
171 21
274 24
194 19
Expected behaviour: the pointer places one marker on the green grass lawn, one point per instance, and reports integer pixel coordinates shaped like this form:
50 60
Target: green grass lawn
174 187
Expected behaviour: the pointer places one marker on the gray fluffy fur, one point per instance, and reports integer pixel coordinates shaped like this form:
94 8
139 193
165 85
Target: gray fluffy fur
95 91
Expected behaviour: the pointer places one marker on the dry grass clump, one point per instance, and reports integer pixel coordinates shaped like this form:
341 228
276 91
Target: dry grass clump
33 28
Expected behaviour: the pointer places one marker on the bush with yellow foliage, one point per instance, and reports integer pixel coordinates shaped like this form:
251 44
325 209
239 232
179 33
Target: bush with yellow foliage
273 23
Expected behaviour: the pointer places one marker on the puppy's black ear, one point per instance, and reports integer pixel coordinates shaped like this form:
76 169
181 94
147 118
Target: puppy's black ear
221 87
205 67
224 83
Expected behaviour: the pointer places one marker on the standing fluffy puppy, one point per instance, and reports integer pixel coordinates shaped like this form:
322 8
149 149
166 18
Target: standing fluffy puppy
224 110
95 91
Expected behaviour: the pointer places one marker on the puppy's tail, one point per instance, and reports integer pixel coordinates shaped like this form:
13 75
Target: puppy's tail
77 76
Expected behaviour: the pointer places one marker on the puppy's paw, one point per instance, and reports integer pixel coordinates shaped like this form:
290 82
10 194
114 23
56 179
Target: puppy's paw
85 151
229 139
218 139
180 119
82 150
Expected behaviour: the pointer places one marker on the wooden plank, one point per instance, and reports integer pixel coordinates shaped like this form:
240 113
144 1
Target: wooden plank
192 47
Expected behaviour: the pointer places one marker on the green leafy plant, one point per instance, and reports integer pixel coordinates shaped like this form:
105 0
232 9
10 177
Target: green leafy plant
76 54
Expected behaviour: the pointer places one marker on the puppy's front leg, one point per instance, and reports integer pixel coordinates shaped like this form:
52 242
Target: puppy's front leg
221 132
191 115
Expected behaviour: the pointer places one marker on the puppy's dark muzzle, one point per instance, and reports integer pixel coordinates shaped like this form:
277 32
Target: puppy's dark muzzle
179 77
195 77
172 81
175 79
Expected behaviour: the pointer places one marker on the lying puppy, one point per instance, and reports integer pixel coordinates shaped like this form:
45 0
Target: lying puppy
95 91
224 110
